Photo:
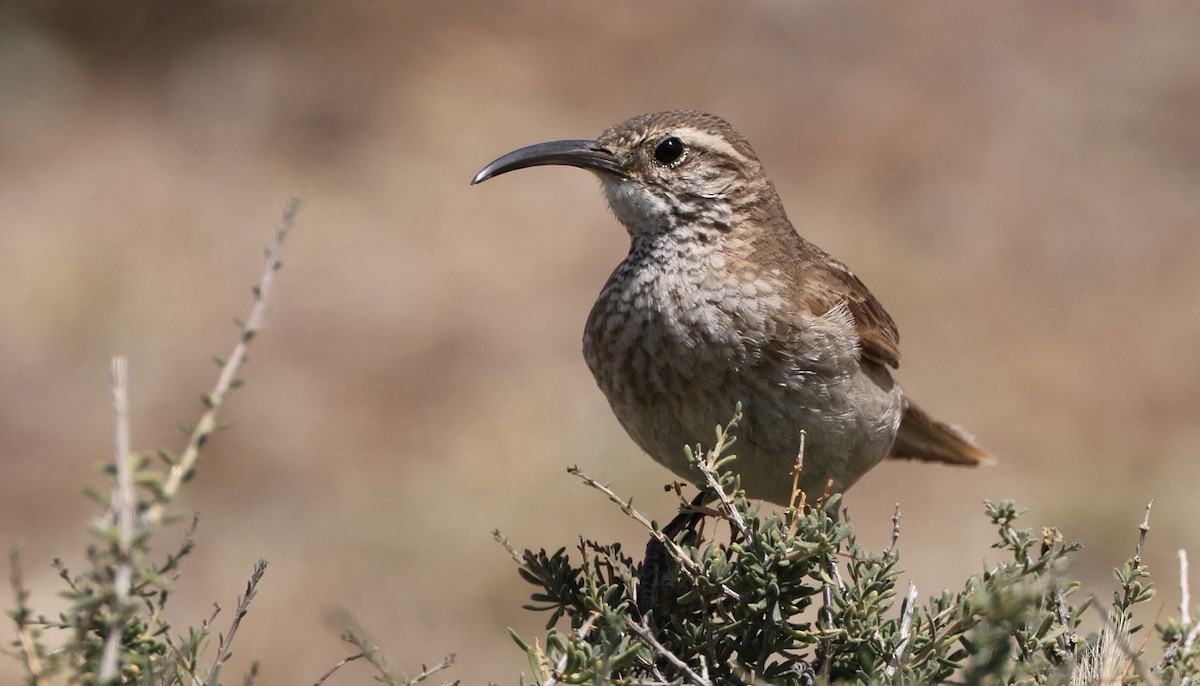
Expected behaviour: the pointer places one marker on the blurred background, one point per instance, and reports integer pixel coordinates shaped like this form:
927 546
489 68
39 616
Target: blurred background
1018 184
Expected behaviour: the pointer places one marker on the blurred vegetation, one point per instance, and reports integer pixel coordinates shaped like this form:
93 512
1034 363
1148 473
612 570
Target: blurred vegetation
113 630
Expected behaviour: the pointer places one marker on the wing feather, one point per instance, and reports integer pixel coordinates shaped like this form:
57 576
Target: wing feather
830 283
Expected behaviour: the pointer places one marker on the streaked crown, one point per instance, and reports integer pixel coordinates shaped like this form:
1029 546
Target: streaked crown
684 168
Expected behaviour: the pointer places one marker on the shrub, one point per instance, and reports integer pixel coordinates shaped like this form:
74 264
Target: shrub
792 598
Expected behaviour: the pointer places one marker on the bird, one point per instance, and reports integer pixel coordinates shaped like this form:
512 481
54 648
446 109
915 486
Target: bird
721 301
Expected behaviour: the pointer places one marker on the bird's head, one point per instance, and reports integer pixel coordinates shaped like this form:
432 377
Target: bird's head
664 172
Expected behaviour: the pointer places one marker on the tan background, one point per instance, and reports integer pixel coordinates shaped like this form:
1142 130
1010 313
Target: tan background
1018 185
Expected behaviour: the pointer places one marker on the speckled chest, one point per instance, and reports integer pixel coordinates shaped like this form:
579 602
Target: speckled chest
680 315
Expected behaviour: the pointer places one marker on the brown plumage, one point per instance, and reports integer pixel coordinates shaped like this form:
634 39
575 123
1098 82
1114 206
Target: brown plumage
721 301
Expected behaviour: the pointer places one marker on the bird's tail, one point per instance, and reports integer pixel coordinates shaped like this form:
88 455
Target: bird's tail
924 438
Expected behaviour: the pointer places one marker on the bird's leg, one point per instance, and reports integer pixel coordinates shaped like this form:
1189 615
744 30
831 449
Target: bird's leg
656 576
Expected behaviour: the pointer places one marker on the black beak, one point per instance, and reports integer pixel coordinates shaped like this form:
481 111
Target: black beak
578 153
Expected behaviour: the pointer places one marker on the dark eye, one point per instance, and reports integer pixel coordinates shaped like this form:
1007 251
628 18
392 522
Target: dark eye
669 150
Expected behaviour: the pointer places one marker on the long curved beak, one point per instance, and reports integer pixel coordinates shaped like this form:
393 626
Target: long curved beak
575 153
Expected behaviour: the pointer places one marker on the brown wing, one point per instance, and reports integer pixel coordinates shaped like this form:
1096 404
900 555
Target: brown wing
820 283
831 283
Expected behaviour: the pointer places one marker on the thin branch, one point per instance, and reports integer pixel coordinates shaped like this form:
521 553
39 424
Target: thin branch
646 635
339 665
725 502
182 662
836 573
124 497
29 649
543 663
122 509
1185 599
1185 611
427 672
1069 640
223 652
356 637
797 468
714 484
798 499
1191 637
895 531
626 507
894 669
184 467
935 640
688 565
1136 562
1143 529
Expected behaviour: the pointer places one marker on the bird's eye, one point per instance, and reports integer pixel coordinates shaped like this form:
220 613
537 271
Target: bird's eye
669 150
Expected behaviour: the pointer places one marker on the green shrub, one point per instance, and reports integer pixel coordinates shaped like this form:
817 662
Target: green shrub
793 598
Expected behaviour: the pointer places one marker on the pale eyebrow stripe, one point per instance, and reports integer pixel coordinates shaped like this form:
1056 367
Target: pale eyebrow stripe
711 141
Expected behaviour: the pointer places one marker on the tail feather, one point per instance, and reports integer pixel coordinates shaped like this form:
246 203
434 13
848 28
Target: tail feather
924 438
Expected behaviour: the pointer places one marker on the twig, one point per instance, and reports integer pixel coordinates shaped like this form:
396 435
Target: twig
182 662
1185 605
1031 567
932 625
725 503
797 468
1191 637
1060 607
427 672
1188 632
1185 599
646 635
1143 529
626 507
339 665
183 468
385 677
687 565
893 669
29 648
714 484
543 663
122 509
836 573
223 652
895 531
799 499
1070 638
